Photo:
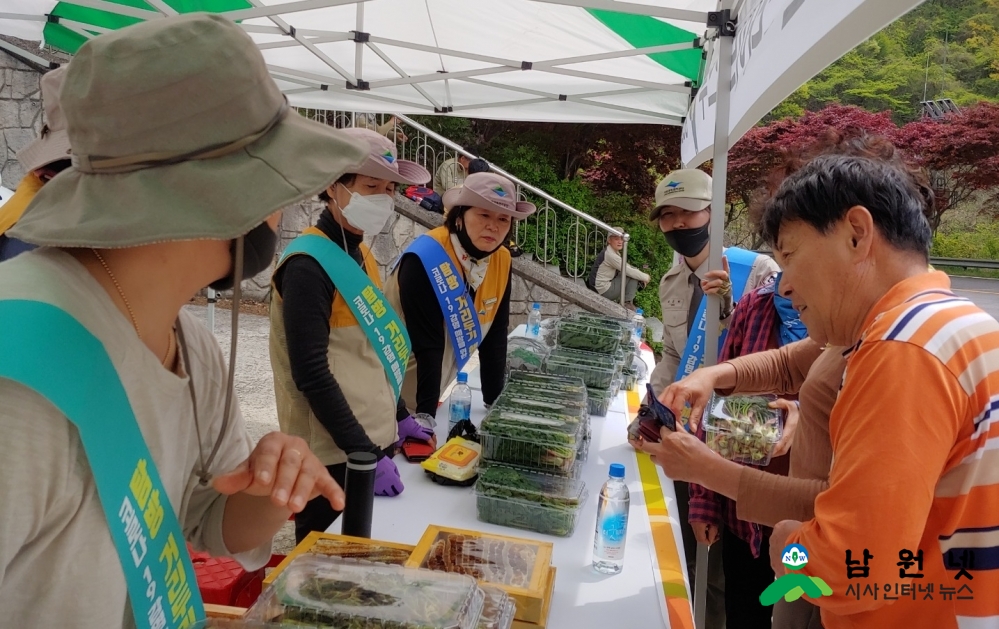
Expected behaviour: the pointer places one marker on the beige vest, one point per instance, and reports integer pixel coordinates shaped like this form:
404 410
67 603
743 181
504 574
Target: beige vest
487 301
356 367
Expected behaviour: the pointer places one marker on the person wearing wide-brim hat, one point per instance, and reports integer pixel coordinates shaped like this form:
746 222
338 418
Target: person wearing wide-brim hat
42 160
465 262
184 153
330 377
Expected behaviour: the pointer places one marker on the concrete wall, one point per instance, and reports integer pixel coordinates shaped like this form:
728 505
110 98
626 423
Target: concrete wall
20 114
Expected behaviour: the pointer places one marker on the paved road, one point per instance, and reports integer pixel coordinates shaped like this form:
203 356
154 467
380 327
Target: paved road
984 292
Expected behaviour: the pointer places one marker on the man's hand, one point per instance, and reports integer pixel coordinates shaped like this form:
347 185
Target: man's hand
778 540
695 390
285 469
681 455
706 534
790 424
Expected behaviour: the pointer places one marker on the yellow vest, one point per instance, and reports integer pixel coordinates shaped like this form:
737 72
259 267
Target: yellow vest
356 367
487 301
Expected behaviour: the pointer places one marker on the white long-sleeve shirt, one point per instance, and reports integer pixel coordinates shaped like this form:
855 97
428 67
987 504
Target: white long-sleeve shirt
610 269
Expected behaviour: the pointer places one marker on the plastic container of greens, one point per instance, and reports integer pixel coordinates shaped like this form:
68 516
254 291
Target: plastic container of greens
527 500
600 401
325 591
589 337
542 444
551 382
525 354
743 428
596 374
603 320
517 395
498 609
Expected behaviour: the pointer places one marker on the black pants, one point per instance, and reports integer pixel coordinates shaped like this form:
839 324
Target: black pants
745 579
714 616
318 513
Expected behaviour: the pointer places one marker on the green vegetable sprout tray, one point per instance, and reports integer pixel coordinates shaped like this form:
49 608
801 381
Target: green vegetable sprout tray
529 500
743 429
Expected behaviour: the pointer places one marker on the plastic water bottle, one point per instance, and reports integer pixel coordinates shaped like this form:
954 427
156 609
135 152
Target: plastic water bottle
612 523
534 321
460 402
638 324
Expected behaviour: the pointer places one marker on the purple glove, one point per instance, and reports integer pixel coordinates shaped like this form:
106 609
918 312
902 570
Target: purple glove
411 428
387 480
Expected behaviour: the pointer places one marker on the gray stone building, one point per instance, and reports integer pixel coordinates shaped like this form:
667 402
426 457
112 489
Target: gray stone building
22 64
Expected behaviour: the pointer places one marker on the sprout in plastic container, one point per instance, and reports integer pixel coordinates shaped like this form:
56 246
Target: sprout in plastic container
743 428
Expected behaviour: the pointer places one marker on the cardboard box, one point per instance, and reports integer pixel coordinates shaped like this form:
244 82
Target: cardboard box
457 550
331 545
546 610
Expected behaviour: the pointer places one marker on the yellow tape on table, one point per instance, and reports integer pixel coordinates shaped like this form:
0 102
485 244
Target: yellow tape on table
667 555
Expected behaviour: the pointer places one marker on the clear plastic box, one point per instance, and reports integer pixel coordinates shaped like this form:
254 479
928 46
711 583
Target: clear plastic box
564 385
525 354
510 408
599 338
595 376
626 326
544 445
498 609
528 500
518 395
600 402
326 591
743 428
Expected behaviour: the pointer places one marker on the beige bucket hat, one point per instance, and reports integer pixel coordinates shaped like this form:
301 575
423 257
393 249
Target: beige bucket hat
178 133
53 144
491 192
383 161
687 188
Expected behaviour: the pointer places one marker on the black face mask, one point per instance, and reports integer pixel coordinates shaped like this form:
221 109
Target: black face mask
470 249
258 252
688 242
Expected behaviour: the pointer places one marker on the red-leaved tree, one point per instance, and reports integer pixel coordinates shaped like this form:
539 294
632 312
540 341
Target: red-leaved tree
961 153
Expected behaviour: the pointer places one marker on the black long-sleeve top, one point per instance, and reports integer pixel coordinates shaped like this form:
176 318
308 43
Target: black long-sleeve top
425 323
308 294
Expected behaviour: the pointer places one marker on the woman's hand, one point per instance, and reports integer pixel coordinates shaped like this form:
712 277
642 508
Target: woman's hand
694 390
790 424
682 456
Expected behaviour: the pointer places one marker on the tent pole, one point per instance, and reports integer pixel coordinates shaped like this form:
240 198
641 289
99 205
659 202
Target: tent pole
359 47
724 44
624 268
211 310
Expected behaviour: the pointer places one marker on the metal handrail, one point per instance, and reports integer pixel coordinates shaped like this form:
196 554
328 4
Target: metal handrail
523 185
520 182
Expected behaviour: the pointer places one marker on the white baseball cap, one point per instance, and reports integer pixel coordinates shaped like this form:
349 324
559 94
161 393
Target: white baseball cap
688 189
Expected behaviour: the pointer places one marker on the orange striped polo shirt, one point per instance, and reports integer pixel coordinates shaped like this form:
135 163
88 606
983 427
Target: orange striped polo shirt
915 438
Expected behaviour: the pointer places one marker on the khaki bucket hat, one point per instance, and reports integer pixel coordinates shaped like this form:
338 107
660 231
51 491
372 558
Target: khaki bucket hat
383 161
178 133
53 144
490 192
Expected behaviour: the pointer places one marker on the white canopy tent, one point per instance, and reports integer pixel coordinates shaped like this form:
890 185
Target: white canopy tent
604 61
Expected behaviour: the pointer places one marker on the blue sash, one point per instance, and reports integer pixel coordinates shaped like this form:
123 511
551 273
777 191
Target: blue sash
740 263
374 315
48 351
460 319
791 328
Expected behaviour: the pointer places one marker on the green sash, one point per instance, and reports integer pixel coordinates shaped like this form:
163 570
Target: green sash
377 318
48 351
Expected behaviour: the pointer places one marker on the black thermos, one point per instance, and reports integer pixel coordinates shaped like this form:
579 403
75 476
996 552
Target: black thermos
359 487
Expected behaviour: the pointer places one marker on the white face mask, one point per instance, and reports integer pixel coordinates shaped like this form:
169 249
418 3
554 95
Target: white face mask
368 213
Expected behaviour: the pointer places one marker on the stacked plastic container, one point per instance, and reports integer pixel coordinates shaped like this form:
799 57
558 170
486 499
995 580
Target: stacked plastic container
596 349
533 441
